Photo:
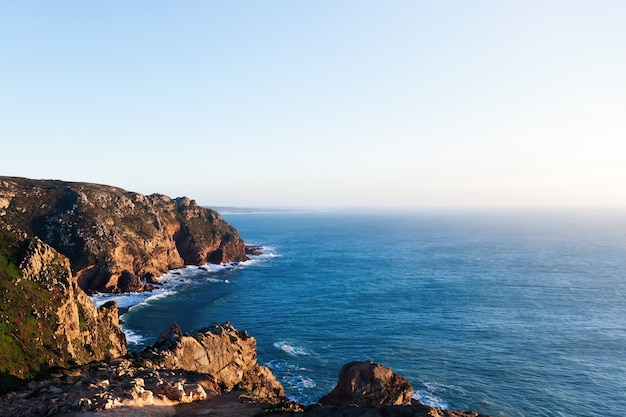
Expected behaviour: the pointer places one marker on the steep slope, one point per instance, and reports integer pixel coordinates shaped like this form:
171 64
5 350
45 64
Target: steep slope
117 240
46 320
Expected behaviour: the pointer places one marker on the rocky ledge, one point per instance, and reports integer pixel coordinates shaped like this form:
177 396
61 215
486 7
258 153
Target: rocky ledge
213 372
178 369
117 240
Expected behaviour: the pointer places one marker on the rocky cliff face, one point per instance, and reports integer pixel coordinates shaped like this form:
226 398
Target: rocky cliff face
117 240
46 320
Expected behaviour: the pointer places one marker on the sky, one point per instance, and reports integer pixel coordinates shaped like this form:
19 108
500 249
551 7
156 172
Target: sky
325 103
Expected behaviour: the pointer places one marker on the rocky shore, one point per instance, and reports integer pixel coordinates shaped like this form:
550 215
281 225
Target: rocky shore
212 372
178 369
60 355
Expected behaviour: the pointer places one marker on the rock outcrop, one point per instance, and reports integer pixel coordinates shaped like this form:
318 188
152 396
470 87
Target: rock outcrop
143 385
122 384
117 240
46 320
365 383
220 351
178 369
367 389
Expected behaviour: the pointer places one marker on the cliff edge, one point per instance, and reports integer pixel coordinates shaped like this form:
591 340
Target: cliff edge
116 240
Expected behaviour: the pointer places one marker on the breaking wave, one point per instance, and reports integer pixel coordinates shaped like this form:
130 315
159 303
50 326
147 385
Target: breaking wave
168 285
293 378
132 338
431 395
291 349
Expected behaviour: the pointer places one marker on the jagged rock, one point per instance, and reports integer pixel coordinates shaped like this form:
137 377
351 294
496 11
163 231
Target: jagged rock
365 383
169 337
221 351
117 240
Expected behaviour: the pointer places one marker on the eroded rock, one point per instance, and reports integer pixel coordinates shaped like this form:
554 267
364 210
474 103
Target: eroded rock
365 383
221 351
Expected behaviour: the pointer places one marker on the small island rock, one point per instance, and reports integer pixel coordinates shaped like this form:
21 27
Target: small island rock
365 383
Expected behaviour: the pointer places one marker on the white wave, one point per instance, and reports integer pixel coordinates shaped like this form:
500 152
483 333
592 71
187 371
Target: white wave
131 299
294 380
157 296
266 252
168 283
283 366
291 349
212 268
132 338
270 255
429 397
299 382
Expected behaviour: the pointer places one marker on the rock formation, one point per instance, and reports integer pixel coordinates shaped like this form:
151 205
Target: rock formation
221 351
178 369
46 320
117 240
367 389
367 383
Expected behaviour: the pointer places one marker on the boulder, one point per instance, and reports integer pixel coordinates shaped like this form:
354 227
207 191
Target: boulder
365 383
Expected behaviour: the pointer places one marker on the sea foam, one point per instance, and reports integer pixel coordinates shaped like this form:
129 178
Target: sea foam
167 286
292 378
429 397
291 349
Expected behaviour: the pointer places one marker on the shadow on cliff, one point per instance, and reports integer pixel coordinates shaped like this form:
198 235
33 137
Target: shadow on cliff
9 382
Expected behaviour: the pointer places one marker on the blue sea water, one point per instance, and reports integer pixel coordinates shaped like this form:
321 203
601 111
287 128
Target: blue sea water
508 313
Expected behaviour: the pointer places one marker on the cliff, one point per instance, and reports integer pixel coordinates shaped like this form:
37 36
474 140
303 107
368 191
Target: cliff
117 240
46 320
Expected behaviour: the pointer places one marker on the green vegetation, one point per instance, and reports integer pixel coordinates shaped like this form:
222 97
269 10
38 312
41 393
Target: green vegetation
280 408
81 319
9 248
27 321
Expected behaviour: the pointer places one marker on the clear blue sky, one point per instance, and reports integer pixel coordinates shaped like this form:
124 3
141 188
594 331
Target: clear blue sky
320 103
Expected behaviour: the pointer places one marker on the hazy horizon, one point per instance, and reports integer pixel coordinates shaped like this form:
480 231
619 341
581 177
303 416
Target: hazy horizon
321 104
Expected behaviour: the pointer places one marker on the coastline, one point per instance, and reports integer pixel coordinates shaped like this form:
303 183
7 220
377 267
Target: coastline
168 284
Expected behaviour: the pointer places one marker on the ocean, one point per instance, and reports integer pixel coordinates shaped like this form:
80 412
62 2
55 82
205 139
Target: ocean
509 313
